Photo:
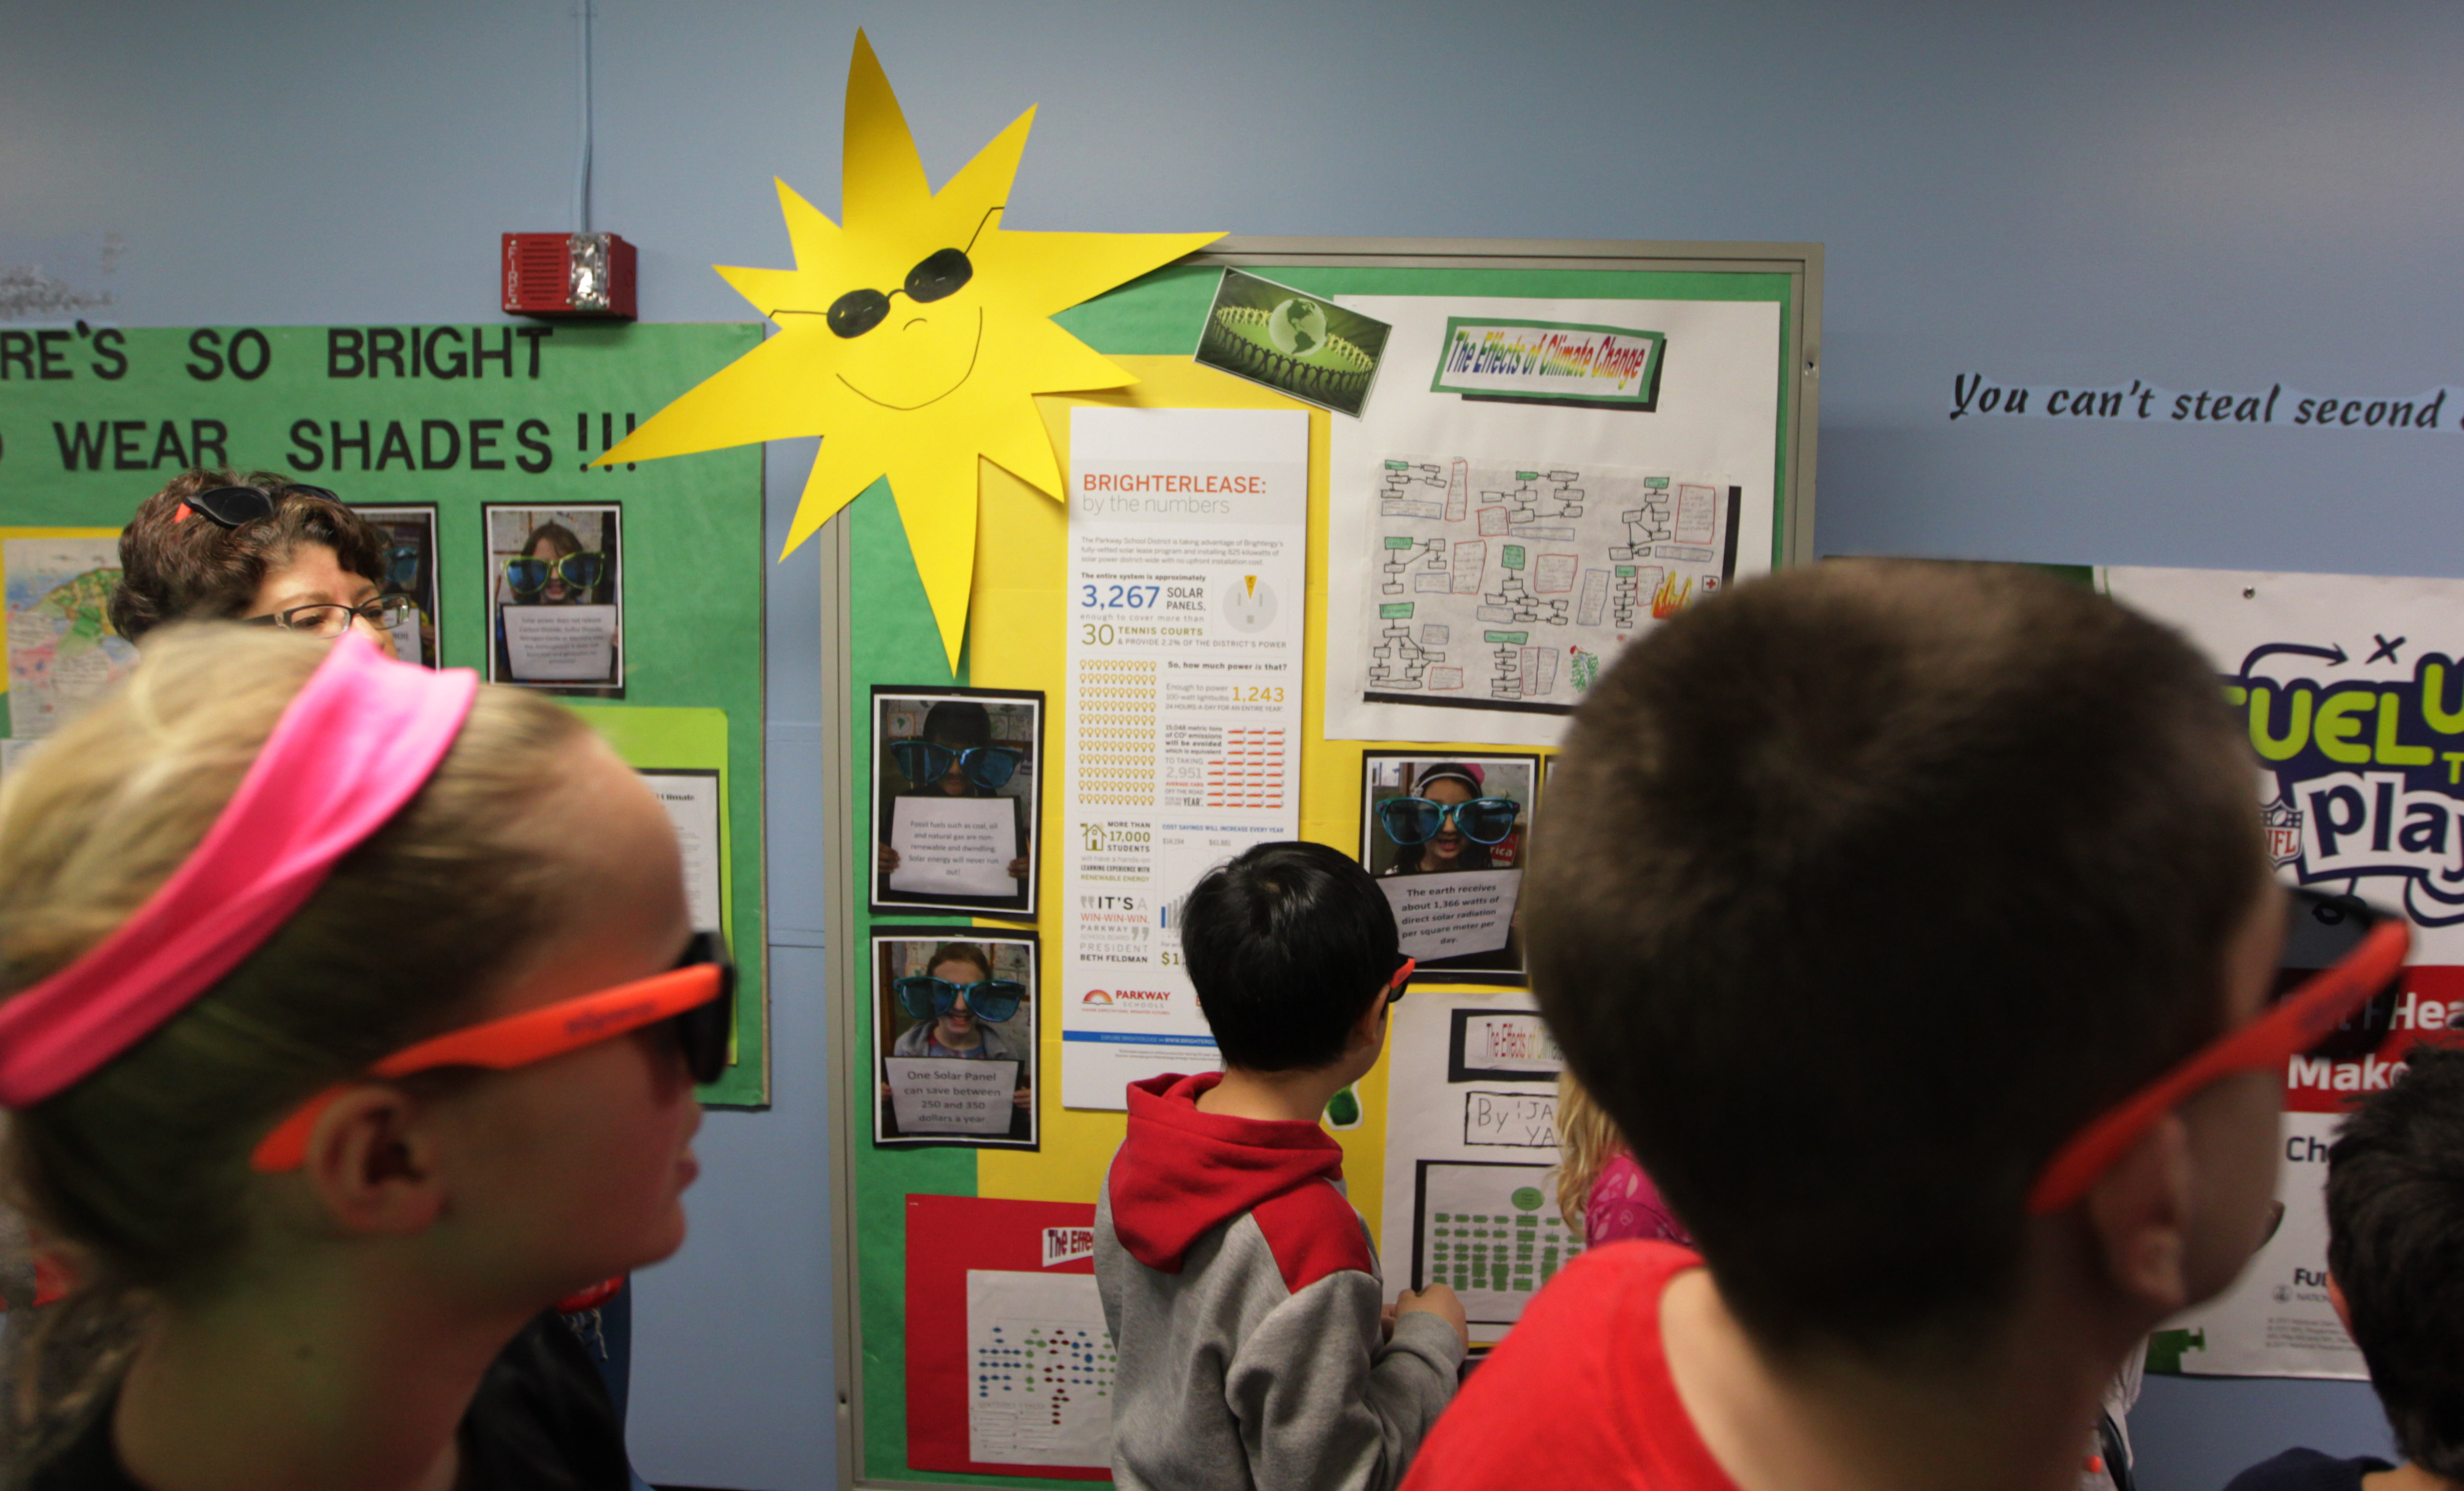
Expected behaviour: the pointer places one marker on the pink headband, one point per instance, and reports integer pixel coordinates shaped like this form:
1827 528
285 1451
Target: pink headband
359 740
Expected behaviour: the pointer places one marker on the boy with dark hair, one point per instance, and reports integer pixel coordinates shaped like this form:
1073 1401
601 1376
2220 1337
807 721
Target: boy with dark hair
1857 894
1241 1287
2395 1274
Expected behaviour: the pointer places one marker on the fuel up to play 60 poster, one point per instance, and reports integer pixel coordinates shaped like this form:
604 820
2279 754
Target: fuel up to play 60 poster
2354 697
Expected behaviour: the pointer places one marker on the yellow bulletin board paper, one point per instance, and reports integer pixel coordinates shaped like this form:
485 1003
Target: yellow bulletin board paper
1017 613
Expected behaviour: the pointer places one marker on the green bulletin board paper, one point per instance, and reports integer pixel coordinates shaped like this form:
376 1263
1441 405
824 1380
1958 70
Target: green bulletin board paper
92 423
892 641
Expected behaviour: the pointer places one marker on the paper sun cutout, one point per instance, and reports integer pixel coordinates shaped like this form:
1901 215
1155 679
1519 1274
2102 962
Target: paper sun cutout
911 339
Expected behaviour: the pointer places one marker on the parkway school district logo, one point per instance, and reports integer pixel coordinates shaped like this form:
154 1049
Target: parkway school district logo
1094 997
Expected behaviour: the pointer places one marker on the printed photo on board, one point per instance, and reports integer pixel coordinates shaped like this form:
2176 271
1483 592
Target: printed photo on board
954 1022
556 609
954 773
409 562
1292 341
1445 836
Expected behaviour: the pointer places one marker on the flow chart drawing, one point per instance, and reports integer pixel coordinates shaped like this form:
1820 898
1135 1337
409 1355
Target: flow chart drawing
1509 586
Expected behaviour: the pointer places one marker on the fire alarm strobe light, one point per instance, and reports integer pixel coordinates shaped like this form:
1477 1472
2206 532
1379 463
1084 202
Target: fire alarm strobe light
569 276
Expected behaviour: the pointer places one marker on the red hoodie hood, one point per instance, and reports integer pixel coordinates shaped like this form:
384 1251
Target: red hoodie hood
1181 1173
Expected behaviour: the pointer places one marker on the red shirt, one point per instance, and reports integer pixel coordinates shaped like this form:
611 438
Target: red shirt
1578 1395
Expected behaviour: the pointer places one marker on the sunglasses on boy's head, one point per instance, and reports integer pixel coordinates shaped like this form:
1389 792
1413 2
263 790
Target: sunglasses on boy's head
695 1003
926 998
229 507
2340 954
580 571
924 762
1417 820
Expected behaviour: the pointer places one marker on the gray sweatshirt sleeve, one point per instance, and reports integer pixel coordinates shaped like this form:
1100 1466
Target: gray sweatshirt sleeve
1323 1405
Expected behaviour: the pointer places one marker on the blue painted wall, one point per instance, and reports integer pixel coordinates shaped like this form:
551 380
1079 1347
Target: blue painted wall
2200 195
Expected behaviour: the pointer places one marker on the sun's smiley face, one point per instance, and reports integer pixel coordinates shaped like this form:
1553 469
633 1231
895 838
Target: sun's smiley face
914 344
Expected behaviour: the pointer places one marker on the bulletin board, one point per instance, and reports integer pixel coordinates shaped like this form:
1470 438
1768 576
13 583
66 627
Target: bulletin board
945 1254
440 423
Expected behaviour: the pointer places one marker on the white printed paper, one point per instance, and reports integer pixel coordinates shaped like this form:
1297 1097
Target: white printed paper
954 846
1523 554
1188 531
1453 913
62 652
945 1095
1040 1366
561 644
692 802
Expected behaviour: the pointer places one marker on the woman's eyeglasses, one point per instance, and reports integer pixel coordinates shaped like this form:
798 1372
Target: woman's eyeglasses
1409 821
332 620
528 577
926 998
924 762
229 507
695 1001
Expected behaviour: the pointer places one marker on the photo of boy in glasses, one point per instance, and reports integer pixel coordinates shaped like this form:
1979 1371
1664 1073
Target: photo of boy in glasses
954 774
954 1001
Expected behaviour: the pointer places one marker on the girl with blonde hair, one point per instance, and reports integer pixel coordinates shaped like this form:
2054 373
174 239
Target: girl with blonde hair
349 1017
1601 1192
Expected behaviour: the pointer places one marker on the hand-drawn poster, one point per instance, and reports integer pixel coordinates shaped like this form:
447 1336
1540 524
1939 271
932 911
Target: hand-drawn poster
1534 484
63 652
1187 536
2354 700
1010 1362
1471 1153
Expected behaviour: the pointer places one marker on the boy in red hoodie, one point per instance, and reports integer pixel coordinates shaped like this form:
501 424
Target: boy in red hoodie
1241 1287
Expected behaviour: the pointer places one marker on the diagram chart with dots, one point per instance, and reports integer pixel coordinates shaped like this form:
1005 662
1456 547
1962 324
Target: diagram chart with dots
1038 1369
1491 1231
1507 586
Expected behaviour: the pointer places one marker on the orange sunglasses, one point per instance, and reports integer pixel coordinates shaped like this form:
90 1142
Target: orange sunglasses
2356 952
696 998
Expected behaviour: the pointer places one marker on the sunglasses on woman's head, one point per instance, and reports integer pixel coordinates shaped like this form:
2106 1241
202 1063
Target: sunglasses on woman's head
924 762
2333 982
926 998
1409 821
528 577
694 1002
229 507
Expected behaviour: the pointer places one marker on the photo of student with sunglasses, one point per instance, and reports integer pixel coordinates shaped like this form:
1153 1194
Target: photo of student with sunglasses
954 754
350 1014
958 1010
1448 820
562 559
229 545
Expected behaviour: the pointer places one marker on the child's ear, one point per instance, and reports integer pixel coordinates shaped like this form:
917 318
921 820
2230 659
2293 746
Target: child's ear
1369 1031
373 1166
2141 1211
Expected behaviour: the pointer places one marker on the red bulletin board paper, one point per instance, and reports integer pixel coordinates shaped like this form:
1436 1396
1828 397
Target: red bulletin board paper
946 1236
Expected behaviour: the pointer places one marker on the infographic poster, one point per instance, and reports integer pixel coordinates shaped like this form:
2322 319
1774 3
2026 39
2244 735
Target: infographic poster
1187 538
2353 698
1533 484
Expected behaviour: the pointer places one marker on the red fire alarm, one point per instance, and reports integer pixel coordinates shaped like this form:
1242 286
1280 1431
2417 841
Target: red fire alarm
569 277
